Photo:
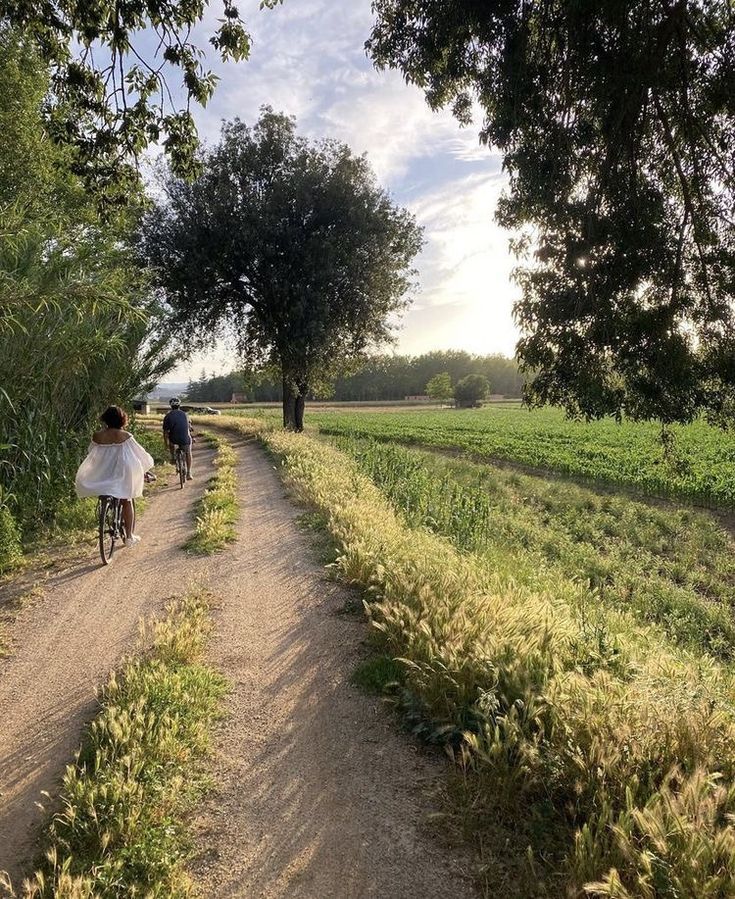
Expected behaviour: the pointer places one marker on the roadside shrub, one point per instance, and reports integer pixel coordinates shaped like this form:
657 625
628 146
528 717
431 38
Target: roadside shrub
10 549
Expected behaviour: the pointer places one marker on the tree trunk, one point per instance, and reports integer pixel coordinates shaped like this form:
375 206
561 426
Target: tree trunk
299 422
294 398
289 405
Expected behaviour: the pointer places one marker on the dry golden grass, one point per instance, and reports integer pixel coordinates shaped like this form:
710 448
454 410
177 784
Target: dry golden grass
589 724
121 830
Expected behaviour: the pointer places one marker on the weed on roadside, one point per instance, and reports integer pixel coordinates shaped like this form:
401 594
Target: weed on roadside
121 830
379 674
216 512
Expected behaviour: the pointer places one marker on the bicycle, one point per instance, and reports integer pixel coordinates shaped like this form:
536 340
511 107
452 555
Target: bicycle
110 525
180 463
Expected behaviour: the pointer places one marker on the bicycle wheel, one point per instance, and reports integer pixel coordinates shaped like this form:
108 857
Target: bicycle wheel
107 514
181 466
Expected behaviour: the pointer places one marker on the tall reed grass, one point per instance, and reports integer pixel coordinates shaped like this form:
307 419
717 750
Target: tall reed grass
79 328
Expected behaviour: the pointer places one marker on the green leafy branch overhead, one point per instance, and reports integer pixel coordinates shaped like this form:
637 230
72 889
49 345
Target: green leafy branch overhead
110 98
616 122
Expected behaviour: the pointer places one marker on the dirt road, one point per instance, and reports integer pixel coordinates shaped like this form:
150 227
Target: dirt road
317 793
63 646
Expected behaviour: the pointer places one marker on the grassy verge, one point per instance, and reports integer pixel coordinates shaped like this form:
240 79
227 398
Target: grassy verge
216 512
595 755
121 831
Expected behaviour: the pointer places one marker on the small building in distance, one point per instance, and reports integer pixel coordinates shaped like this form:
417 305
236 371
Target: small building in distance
142 407
239 398
419 398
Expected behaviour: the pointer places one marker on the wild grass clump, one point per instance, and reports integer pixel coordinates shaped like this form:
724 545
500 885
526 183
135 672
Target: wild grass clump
120 831
592 725
216 512
378 674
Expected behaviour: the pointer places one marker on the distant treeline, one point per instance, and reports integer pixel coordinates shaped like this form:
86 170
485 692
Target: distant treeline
381 377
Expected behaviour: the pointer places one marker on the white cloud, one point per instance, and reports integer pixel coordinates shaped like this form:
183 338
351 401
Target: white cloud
466 295
308 60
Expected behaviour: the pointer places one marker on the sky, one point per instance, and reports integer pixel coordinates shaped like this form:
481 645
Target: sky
308 60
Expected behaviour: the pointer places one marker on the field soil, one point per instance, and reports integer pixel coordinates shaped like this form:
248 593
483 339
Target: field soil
317 794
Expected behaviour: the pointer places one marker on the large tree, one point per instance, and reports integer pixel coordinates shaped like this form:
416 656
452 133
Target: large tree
111 64
440 387
616 121
290 245
471 390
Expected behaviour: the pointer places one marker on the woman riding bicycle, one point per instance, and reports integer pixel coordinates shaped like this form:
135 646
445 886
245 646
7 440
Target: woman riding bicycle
115 466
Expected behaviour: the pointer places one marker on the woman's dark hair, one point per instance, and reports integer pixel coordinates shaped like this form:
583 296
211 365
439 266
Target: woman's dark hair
114 417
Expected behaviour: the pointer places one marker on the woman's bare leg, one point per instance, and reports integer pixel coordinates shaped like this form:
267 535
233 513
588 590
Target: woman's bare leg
127 514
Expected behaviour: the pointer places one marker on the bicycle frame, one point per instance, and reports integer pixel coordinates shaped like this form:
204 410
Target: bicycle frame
111 527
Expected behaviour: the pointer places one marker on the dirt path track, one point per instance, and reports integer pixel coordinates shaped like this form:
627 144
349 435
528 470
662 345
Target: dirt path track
319 795
63 647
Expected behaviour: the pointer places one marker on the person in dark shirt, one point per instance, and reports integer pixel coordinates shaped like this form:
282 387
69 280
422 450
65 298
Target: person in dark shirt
177 432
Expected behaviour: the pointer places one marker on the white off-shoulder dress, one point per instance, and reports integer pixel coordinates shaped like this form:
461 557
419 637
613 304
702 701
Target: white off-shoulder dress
114 469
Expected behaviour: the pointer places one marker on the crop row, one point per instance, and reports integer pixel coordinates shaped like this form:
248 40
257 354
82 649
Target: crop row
673 567
697 463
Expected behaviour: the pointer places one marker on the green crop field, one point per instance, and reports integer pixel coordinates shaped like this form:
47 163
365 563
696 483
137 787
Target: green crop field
699 465
670 566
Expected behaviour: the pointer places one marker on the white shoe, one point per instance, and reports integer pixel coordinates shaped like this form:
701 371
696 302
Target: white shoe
190 477
131 541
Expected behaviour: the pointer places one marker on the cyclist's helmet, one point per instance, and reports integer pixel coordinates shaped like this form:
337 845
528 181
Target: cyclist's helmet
174 402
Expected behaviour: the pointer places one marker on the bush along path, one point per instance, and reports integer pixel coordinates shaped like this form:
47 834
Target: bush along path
62 647
120 827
